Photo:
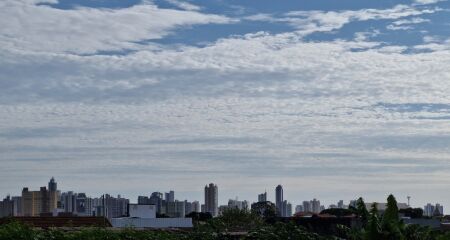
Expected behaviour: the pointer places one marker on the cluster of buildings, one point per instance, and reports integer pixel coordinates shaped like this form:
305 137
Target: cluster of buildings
284 208
50 201
312 206
430 210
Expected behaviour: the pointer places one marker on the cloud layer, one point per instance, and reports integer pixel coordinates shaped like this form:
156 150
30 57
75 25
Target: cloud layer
87 93
90 30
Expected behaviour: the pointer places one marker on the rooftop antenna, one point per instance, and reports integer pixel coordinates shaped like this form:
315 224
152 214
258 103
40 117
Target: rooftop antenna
409 198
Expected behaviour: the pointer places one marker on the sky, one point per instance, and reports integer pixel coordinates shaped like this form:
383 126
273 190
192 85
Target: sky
332 99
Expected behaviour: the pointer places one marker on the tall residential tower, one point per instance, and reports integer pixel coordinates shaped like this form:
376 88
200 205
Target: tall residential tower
279 200
212 199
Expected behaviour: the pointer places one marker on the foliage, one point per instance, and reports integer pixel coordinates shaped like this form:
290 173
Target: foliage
282 231
389 226
235 219
416 232
266 210
362 210
16 231
373 229
391 213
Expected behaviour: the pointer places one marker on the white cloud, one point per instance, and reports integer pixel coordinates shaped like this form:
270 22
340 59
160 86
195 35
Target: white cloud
410 21
256 108
406 24
184 5
365 36
424 2
88 30
308 22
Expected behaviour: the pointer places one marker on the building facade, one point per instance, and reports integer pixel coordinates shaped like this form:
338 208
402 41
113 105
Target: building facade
279 200
196 207
262 197
212 199
7 207
36 203
176 209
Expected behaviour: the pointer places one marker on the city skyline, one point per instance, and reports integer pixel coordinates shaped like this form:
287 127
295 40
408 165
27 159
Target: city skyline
333 100
169 197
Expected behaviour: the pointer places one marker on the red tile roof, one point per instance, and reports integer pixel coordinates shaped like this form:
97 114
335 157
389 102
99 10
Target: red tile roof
45 222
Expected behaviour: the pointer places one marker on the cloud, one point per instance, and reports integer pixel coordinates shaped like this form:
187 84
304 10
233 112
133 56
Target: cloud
424 2
88 30
406 24
184 5
307 22
259 108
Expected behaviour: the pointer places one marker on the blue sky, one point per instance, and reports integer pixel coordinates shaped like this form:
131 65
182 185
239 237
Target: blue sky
332 99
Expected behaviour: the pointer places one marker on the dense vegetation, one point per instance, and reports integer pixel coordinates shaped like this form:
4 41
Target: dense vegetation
389 226
254 225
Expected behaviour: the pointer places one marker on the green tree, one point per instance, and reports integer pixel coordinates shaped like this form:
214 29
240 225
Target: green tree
266 210
391 226
362 211
236 219
372 231
391 213
17 231
416 232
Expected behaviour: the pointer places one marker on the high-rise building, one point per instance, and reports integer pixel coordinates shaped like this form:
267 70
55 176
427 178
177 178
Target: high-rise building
440 210
279 200
428 210
143 200
112 207
262 197
157 199
187 207
196 206
176 209
307 206
68 201
433 210
82 205
96 206
6 207
212 199
288 209
35 203
203 208
235 203
17 201
315 205
340 204
90 206
52 185
170 196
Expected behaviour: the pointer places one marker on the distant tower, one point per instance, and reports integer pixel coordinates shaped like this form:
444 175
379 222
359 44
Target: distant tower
170 196
279 199
262 197
409 198
212 199
52 185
